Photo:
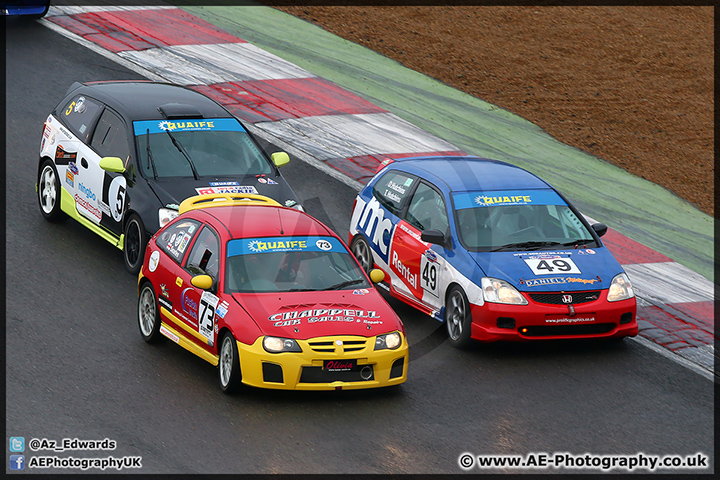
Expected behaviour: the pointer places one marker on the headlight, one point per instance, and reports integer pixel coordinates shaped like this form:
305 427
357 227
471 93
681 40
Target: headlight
500 291
165 215
389 341
620 288
277 345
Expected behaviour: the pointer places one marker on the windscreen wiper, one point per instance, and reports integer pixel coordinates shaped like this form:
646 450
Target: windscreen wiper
580 241
525 245
344 284
182 150
151 162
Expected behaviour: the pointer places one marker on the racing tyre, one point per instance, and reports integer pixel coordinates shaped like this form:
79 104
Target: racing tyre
149 314
134 244
362 252
49 192
458 318
229 364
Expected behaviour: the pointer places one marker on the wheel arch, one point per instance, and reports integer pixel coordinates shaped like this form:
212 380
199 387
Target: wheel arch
144 280
449 288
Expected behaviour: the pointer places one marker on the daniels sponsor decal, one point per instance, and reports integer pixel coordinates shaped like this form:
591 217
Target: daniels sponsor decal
535 282
294 317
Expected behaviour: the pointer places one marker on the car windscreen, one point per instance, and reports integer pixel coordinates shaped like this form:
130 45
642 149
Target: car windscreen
197 148
290 264
517 220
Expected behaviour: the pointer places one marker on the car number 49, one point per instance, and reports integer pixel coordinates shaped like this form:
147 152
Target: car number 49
545 266
429 276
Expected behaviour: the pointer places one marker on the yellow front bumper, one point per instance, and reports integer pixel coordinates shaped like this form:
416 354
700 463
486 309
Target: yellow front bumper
304 370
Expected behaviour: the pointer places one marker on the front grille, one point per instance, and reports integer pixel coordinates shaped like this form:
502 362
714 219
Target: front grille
353 345
557 298
328 346
318 375
322 347
559 330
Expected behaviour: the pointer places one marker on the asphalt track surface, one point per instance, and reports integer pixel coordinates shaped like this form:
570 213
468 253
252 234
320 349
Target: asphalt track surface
77 367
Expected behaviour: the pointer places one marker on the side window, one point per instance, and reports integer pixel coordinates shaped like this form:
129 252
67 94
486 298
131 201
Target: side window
175 239
427 209
110 137
79 114
205 253
392 189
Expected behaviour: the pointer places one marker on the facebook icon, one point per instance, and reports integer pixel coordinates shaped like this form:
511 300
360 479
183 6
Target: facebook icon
17 462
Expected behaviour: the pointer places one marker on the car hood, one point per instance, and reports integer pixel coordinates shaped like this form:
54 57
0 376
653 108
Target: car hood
172 191
593 269
304 315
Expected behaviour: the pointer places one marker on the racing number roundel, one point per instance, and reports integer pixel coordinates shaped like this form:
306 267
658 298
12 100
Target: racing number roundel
546 266
206 314
116 197
429 276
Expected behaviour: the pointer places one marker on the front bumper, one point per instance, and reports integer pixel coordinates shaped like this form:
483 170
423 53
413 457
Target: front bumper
537 321
305 370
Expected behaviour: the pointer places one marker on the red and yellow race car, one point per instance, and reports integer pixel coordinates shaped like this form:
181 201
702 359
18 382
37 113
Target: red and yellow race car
271 296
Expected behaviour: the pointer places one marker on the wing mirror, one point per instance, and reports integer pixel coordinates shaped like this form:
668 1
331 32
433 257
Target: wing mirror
280 159
377 275
203 282
600 229
112 164
434 236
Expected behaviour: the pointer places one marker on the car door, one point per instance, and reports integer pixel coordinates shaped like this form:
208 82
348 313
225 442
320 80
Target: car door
418 265
109 189
197 308
377 217
73 156
174 241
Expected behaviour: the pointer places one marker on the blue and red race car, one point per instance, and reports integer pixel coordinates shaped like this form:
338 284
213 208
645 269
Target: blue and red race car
270 295
492 250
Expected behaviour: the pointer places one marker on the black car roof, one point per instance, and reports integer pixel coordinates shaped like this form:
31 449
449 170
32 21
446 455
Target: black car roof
141 100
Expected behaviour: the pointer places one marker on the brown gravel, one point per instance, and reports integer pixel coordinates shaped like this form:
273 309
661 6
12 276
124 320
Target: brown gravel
632 85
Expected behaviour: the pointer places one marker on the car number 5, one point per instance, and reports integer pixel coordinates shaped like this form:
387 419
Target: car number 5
116 197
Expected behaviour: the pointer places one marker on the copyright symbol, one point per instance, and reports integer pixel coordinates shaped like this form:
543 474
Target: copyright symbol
34 444
466 461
